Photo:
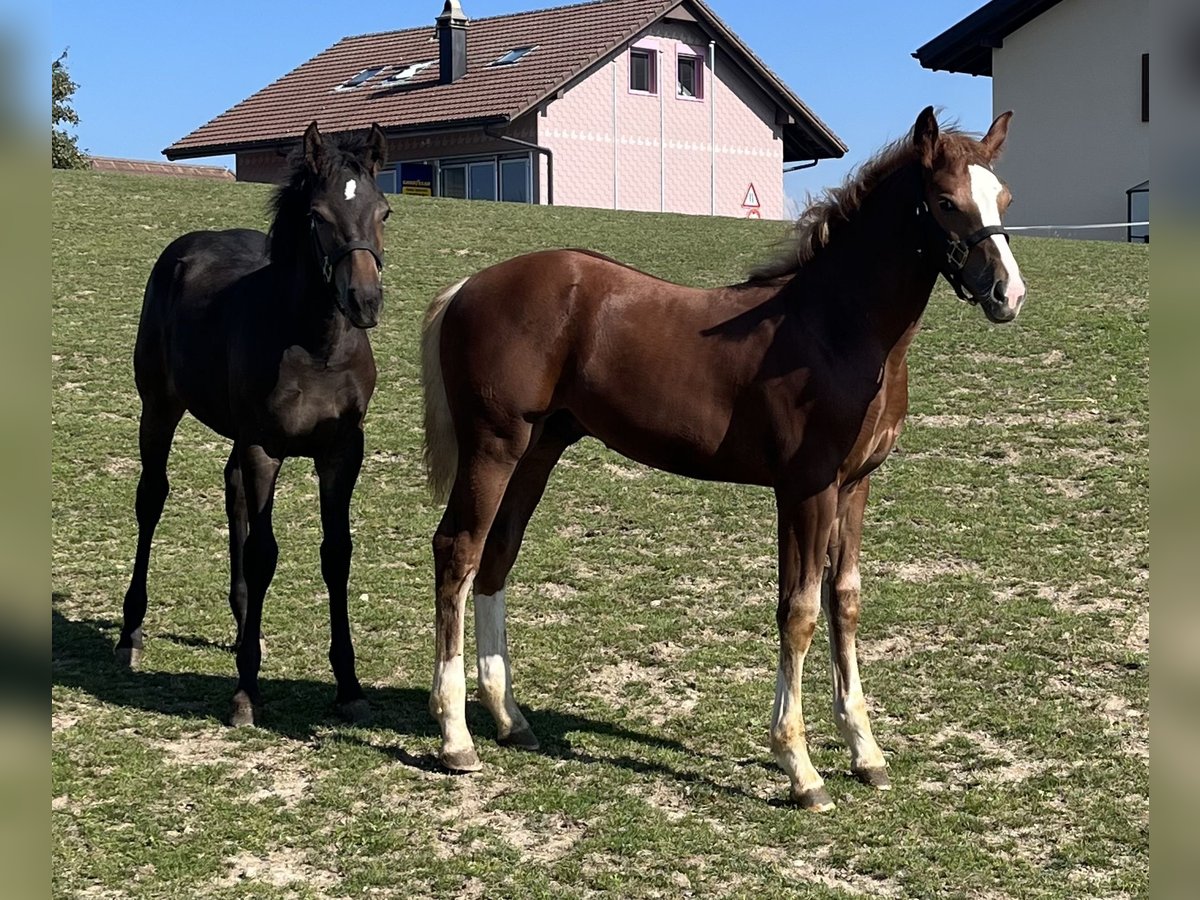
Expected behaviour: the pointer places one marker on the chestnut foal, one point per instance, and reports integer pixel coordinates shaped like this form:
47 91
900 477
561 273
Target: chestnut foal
794 380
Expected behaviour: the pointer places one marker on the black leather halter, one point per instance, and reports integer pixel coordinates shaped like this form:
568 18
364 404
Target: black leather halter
330 260
956 249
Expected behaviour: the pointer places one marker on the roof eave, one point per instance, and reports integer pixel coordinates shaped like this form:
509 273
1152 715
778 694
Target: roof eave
175 152
966 46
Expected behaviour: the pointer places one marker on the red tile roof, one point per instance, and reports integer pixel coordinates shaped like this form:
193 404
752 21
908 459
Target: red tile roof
153 167
567 40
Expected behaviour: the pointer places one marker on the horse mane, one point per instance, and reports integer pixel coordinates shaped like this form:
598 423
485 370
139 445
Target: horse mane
291 201
825 215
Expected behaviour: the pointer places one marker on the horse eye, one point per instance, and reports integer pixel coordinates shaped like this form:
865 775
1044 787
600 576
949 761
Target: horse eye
318 218
387 214
947 204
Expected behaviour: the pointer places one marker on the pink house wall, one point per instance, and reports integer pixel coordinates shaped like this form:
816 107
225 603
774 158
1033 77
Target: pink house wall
617 149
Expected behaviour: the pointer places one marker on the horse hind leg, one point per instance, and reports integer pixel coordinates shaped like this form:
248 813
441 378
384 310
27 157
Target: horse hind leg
483 475
156 431
521 498
235 511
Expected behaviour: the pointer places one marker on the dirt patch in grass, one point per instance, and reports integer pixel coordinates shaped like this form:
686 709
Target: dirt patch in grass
901 646
646 692
281 868
282 770
809 867
987 761
925 571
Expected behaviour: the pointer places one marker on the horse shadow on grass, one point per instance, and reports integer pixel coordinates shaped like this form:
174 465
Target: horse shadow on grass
302 709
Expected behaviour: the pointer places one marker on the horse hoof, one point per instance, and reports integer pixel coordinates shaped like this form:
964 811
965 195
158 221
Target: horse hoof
355 712
814 800
520 740
128 657
244 712
461 761
876 778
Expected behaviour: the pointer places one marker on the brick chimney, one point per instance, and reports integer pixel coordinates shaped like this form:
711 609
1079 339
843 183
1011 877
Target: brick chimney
452 43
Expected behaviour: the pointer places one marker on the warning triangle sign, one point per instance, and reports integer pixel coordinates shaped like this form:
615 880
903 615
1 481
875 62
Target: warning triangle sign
751 201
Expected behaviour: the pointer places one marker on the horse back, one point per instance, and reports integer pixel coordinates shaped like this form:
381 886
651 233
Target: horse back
731 384
182 342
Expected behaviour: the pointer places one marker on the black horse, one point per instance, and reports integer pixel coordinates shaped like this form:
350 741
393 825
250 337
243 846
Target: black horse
263 339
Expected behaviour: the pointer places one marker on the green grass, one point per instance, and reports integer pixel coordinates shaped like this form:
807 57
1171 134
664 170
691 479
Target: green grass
1004 641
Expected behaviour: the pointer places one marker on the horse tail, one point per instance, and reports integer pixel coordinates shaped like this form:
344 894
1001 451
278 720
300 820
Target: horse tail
441 445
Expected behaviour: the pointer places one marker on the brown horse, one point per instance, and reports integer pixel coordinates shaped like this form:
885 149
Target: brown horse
262 337
795 380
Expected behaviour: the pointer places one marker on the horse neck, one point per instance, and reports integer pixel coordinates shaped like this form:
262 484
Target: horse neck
878 263
324 329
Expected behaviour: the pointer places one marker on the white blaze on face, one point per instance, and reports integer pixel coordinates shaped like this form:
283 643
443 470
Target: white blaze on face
985 191
351 189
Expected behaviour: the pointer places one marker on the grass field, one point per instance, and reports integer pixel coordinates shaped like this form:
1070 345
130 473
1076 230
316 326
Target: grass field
1005 637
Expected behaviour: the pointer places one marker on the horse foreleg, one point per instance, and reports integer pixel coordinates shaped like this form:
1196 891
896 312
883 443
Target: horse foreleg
804 529
156 430
841 600
338 473
261 552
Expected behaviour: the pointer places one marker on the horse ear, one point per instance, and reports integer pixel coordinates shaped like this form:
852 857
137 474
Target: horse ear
314 147
925 136
993 141
377 149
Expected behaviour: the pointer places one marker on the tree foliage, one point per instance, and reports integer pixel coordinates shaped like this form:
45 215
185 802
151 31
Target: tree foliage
64 151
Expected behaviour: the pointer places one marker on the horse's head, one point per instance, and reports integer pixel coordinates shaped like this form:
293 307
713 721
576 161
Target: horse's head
963 202
347 211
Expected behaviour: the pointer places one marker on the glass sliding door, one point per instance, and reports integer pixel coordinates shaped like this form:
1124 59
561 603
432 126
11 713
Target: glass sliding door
482 180
516 181
454 182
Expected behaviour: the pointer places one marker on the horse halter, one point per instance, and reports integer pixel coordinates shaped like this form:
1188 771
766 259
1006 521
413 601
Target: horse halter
329 261
957 249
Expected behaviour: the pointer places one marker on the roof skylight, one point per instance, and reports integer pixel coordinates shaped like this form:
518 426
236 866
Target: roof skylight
405 74
360 79
514 56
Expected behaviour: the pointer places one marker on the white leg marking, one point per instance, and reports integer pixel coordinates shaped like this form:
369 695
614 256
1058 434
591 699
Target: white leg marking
788 743
495 672
351 189
985 191
448 699
849 704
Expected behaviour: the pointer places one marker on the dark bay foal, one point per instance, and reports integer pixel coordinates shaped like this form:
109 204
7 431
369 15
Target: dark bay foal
263 339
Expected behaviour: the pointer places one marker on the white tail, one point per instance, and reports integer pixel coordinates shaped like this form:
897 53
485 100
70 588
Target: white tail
441 445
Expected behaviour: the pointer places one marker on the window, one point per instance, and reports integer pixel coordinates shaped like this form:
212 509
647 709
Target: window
361 78
690 82
405 74
1145 87
386 180
454 182
642 66
481 180
498 178
515 181
513 56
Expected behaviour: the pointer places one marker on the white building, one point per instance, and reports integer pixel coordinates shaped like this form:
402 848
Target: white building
1076 73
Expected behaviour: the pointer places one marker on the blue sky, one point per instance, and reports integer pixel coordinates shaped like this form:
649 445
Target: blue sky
150 72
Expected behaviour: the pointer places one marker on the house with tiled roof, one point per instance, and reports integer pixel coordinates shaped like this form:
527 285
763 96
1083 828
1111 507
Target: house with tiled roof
623 104
1076 74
